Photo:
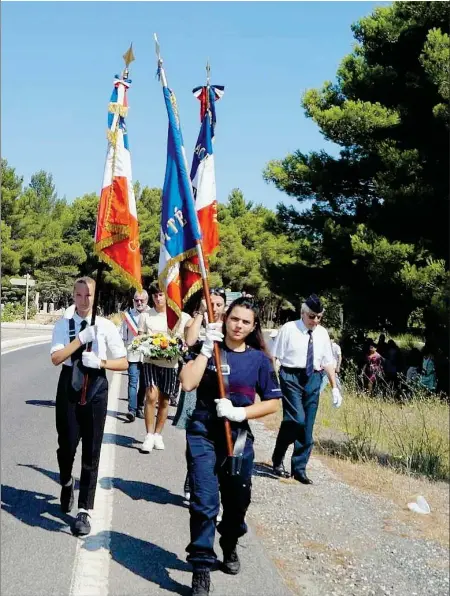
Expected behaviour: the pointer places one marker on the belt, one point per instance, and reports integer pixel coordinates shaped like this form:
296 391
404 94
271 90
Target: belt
296 369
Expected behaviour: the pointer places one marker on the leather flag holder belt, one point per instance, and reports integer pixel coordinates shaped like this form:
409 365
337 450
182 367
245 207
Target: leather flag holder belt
233 462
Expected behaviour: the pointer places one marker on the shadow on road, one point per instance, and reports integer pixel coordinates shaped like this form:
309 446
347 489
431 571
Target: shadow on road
119 415
47 403
264 470
143 490
31 508
49 473
142 558
121 440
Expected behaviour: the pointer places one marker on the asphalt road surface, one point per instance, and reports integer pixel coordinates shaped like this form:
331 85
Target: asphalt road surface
140 522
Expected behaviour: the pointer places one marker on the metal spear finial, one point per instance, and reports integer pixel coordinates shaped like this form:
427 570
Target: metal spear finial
157 49
128 58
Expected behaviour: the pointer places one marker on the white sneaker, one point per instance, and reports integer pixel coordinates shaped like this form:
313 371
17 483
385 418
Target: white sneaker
220 514
148 443
158 442
187 496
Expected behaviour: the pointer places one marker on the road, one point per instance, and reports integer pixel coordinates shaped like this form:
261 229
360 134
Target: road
140 523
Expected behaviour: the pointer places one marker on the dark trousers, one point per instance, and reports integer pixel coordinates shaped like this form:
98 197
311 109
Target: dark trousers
206 453
75 422
300 402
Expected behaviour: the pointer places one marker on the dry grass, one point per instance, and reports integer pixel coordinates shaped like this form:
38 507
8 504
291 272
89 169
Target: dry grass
389 449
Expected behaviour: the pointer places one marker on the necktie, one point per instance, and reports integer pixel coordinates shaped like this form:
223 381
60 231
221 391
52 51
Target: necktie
77 373
310 355
77 354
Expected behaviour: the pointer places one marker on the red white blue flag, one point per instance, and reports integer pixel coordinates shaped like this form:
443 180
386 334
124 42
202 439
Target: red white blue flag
117 230
204 185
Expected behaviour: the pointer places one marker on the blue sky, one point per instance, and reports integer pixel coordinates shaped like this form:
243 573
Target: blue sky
59 60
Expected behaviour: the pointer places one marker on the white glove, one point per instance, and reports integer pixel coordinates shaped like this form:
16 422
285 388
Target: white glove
91 360
213 333
225 409
337 397
88 334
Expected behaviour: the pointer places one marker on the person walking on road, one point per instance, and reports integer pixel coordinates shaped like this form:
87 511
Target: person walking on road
303 348
129 330
249 371
161 378
193 332
75 421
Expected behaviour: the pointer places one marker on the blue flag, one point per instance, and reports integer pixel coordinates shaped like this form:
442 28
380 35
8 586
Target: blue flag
180 229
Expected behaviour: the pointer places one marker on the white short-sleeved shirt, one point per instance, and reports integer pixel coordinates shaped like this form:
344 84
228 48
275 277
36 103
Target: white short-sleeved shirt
108 337
337 352
291 346
154 322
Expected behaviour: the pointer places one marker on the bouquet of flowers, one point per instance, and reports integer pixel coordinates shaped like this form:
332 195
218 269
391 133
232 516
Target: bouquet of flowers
158 346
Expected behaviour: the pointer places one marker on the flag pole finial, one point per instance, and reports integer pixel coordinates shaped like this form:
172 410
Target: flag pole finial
128 58
160 72
208 73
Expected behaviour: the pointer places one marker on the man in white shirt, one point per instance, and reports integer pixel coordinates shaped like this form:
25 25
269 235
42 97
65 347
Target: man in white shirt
75 421
161 378
303 349
136 398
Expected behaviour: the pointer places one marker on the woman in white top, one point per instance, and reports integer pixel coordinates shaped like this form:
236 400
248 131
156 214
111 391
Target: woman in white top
161 377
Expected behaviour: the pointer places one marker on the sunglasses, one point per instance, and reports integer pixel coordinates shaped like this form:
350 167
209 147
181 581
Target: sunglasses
219 291
312 317
139 299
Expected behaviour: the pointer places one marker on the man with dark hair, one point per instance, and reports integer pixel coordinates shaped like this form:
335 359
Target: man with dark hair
74 420
303 349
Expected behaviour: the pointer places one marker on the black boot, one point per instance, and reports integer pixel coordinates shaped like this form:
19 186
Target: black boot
187 488
280 471
81 525
231 563
67 498
201 582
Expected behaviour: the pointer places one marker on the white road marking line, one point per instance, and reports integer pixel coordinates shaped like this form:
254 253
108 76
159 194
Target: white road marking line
91 567
27 346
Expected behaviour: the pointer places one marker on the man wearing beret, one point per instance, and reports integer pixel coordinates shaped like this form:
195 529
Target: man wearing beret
303 349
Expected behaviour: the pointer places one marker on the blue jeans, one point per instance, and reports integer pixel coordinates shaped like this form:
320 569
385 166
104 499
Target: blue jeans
300 403
135 379
206 453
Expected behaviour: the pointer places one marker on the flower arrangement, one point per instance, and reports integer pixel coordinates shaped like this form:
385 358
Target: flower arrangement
158 346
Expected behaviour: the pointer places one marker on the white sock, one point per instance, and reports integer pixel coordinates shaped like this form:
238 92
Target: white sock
69 483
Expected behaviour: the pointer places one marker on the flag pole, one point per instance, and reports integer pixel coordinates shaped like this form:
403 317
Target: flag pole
128 57
204 274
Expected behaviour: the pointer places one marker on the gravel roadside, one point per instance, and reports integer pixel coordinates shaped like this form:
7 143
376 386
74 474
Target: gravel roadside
331 539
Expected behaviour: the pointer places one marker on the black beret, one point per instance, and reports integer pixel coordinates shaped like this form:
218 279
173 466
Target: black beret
314 304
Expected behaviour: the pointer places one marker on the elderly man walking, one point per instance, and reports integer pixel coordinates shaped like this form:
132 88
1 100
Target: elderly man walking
129 330
303 349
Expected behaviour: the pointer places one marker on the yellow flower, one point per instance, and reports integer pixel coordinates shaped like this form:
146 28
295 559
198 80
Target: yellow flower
156 341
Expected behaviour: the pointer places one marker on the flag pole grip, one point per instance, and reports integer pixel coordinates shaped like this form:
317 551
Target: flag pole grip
217 359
